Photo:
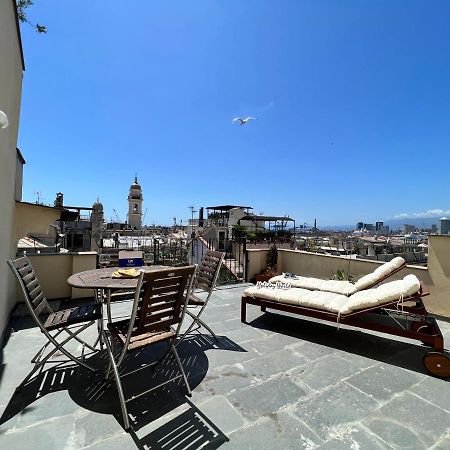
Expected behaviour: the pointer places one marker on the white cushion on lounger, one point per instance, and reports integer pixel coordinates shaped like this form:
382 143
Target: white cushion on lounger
385 293
327 301
317 284
379 273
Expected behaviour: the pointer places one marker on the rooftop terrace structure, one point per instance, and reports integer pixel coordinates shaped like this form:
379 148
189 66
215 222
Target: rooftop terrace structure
278 382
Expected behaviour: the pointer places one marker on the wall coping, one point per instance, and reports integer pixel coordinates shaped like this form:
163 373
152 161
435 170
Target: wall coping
321 255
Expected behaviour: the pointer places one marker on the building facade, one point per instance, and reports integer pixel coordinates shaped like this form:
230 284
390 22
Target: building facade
11 71
444 226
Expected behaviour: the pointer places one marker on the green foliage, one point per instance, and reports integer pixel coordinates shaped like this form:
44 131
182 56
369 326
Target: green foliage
342 275
272 257
22 6
239 231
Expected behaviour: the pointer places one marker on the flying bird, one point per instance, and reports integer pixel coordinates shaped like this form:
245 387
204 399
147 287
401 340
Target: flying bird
243 121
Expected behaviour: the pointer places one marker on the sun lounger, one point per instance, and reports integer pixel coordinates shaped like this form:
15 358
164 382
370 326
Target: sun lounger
343 287
394 308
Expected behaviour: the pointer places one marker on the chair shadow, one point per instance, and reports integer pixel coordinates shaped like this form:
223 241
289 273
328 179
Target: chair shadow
406 355
185 424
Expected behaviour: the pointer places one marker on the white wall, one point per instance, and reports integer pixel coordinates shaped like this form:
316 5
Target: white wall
10 95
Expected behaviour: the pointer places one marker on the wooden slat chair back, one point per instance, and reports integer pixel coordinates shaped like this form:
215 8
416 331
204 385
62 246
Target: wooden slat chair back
208 270
71 321
31 288
160 302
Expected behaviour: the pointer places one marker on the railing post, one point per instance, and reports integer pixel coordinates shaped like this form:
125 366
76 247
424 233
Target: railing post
244 257
155 258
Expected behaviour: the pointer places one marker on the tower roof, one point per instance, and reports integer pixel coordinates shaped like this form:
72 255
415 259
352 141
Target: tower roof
135 185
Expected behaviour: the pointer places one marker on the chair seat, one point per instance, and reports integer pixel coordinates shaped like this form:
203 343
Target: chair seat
119 330
72 316
196 301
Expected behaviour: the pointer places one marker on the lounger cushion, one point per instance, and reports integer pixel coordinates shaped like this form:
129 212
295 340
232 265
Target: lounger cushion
385 293
327 301
379 273
317 284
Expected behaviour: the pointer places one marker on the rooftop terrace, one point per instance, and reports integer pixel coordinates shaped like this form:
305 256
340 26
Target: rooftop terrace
279 382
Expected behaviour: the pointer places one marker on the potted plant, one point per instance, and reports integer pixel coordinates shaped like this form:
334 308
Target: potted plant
271 267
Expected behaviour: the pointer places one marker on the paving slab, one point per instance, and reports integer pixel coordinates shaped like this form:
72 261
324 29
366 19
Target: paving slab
338 406
353 437
324 372
266 398
407 419
276 431
433 390
263 367
222 413
383 381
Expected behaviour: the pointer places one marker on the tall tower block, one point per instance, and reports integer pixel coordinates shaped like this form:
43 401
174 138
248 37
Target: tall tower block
135 200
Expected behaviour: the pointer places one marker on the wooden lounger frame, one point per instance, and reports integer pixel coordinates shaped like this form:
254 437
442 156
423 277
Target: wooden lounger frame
409 319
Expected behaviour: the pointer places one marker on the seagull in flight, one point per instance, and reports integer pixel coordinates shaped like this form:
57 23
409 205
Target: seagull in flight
243 121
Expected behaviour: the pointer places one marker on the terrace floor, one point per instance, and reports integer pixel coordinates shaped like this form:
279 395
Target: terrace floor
279 382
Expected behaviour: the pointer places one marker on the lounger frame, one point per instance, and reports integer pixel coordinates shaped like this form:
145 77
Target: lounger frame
410 319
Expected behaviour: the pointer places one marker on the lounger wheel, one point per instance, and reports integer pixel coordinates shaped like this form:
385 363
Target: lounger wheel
437 364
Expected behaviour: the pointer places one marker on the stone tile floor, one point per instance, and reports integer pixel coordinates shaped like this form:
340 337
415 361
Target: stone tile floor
279 382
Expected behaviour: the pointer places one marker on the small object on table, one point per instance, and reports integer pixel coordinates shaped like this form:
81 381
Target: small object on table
126 273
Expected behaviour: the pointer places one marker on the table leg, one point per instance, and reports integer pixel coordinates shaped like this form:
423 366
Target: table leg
108 304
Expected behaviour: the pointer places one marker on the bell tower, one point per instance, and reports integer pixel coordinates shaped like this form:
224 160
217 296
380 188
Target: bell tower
135 200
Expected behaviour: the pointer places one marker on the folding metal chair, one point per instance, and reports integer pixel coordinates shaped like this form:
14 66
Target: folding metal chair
206 279
71 321
159 304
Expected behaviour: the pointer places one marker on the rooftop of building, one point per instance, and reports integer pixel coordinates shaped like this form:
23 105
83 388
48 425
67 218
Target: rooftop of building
277 382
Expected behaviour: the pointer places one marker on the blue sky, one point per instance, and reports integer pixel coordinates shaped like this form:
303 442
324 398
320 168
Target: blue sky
353 101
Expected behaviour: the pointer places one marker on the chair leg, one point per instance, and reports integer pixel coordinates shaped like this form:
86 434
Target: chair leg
60 346
90 347
123 405
37 365
211 332
175 353
191 326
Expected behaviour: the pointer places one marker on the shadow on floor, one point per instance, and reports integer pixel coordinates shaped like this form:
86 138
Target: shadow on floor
391 351
184 422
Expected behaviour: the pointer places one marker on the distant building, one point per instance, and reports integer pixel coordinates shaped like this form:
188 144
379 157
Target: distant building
408 228
444 226
360 225
434 228
368 226
379 226
135 200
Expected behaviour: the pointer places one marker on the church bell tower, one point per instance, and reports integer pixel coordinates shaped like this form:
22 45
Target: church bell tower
135 200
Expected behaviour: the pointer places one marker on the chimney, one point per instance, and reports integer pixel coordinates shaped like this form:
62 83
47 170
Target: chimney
200 217
59 201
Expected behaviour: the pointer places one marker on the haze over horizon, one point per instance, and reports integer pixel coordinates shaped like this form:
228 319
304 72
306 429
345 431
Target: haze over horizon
351 98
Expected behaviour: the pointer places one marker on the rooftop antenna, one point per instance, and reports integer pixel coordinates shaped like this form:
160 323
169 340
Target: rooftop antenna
38 195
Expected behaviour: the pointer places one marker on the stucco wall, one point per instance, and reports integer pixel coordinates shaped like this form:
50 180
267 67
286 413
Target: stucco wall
53 270
34 219
10 95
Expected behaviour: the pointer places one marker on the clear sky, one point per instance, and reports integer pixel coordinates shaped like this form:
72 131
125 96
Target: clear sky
353 101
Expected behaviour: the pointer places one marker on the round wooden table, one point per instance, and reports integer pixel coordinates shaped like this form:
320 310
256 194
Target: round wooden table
102 279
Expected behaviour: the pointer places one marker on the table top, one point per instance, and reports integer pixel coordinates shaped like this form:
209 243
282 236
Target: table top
101 278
